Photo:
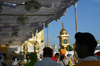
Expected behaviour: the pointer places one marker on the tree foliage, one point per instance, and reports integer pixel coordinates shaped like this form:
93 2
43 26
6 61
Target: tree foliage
69 48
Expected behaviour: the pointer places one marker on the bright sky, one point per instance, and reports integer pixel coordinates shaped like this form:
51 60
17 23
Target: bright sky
88 20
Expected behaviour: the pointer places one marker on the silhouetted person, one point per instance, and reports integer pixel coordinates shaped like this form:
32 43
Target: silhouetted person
85 47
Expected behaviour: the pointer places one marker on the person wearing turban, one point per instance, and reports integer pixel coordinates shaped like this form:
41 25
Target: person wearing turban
63 60
63 51
85 47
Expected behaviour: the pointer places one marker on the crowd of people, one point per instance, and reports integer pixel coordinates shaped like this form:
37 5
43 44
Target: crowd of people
85 47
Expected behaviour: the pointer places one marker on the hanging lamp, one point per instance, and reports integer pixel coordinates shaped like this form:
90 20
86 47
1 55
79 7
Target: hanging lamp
22 20
32 6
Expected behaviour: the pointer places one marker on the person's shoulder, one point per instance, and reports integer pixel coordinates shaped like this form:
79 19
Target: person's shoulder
88 63
38 63
57 64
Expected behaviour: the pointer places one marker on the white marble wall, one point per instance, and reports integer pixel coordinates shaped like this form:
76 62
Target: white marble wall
18 49
30 48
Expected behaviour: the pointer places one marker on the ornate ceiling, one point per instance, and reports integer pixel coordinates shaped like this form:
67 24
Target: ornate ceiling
19 18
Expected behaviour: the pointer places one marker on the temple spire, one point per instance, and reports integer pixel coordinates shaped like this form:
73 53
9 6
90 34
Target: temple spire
62 24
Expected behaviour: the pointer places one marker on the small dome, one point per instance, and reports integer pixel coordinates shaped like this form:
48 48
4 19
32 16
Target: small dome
63 31
36 43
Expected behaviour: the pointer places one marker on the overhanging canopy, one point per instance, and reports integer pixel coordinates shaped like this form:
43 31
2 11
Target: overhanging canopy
10 10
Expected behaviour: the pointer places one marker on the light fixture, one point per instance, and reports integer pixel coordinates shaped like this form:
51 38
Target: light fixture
32 6
14 34
22 20
1 9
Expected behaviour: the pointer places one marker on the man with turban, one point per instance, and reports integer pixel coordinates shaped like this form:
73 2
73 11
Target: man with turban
85 47
63 60
47 60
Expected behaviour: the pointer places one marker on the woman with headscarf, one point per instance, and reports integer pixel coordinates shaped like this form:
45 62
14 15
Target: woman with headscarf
33 57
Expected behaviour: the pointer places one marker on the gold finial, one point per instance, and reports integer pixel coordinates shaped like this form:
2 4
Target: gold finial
62 24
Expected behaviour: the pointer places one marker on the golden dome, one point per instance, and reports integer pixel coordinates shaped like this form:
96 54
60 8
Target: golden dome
63 31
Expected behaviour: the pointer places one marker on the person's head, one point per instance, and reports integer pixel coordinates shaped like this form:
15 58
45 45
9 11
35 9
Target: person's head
41 56
27 56
85 44
47 52
62 53
57 55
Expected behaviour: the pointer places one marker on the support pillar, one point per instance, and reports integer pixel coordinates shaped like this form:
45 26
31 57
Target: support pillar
76 17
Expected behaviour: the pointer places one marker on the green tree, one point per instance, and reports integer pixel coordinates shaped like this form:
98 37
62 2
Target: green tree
69 48
59 49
